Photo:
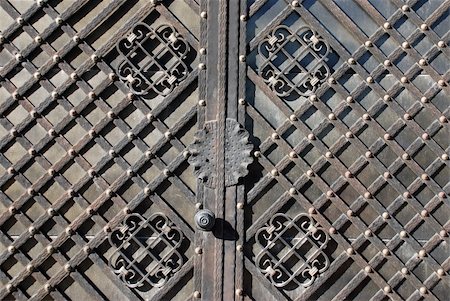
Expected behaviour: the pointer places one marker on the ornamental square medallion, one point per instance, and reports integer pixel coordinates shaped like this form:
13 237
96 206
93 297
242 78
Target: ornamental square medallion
292 250
153 60
146 250
293 62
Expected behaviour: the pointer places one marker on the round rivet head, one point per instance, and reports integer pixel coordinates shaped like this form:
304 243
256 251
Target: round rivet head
202 102
444 157
405 45
313 97
242 58
386 97
407 116
369 154
405 8
440 272
11 249
239 248
443 233
274 172
350 251
328 155
351 61
387 137
198 250
87 249
387 63
243 18
205 220
368 233
292 191
38 39
368 269
424 99
404 79
240 205
48 287
349 99
30 267
295 3
58 21
404 271
10 287
94 58
385 215
422 62
387 289
441 195
239 292
37 75
422 253
425 177
332 230
275 136
369 79
424 26
349 134
385 252
331 116
350 213
56 58
76 39
423 290
12 209
348 174
310 173
368 44
201 66
293 117
366 116
403 234
332 80
367 195
387 25
292 155
202 51
203 14
405 156
425 136
441 82
197 294
311 137
406 195
50 249
442 119
424 213
241 101
257 154
311 211
51 211
441 44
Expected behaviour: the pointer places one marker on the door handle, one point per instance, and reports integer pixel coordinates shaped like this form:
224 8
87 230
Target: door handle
205 220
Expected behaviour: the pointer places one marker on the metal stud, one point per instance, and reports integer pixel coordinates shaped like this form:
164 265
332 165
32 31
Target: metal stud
422 253
198 250
424 99
368 269
351 61
422 62
310 173
203 14
405 45
329 155
424 27
197 295
405 8
404 271
313 97
385 215
387 289
368 44
348 174
403 234
387 63
441 44
387 25
295 3
350 251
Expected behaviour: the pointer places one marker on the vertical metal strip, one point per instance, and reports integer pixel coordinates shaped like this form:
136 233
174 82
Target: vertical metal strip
240 193
221 119
201 118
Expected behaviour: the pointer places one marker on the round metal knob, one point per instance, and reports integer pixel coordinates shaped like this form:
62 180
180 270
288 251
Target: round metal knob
205 220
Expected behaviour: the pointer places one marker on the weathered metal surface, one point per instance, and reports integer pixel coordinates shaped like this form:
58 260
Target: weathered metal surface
321 126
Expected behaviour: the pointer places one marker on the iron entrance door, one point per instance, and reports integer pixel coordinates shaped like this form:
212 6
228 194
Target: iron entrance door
224 150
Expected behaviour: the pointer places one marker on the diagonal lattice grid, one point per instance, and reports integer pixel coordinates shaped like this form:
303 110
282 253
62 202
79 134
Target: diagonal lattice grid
80 152
371 145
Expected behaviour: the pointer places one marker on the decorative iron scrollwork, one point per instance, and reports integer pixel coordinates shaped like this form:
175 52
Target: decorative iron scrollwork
146 250
237 153
153 59
292 250
293 62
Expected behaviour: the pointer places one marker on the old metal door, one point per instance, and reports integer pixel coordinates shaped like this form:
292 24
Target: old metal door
224 150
